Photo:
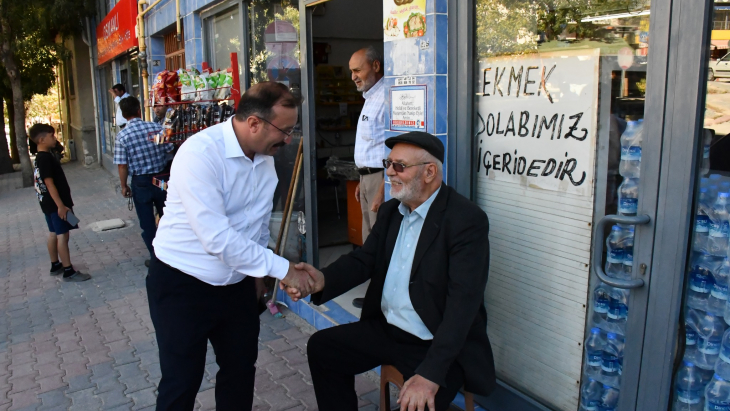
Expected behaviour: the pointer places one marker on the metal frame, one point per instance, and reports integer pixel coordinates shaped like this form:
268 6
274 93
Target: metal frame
219 8
461 69
688 36
308 128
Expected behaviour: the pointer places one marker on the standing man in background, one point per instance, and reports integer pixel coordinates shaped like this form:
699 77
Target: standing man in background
119 93
160 114
367 73
136 154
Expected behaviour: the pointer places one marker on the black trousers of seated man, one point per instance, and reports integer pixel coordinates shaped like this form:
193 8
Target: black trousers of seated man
186 313
337 354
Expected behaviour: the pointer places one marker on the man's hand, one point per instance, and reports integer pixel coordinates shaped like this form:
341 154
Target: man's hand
416 393
299 279
260 288
62 211
126 191
294 293
357 192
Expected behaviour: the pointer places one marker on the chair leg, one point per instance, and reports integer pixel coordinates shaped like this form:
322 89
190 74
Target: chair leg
384 395
468 401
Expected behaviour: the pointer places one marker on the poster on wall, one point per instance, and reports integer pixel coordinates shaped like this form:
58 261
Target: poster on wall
403 19
408 108
537 120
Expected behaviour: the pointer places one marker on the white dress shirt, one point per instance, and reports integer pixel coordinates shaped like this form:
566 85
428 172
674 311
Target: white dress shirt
216 221
120 118
370 136
396 301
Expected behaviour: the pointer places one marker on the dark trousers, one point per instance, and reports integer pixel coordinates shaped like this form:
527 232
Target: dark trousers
186 313
337 354
147 198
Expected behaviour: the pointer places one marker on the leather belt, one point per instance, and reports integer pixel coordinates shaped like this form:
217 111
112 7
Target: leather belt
368 170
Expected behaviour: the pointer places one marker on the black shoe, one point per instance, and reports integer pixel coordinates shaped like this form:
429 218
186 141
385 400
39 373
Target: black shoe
56 271
357 302
77 277
147 263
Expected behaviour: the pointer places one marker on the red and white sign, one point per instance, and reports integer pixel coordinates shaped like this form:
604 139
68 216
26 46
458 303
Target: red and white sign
116 33
626 58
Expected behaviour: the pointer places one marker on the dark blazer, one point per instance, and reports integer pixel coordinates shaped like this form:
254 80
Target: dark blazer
447 284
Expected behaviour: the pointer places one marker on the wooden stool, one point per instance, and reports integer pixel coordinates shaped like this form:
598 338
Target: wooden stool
390 374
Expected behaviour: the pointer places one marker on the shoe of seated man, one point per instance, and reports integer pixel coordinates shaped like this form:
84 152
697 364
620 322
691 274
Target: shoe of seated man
357 302
78 276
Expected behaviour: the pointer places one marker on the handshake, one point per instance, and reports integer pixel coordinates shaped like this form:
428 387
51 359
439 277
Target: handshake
302 280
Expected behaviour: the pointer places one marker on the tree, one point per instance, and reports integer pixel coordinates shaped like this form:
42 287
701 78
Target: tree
29 34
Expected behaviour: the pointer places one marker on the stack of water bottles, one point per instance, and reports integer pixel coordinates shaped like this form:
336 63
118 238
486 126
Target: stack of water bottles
604 347
703 380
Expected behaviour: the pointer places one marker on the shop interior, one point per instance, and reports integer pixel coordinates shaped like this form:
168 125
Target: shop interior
339 28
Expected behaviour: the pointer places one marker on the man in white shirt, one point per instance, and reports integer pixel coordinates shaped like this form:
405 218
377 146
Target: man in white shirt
367 73
211 246
119 93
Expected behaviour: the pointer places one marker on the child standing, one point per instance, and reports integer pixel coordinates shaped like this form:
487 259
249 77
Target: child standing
54 196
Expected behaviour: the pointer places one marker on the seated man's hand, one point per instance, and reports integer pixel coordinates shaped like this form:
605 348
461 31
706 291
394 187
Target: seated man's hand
299 279
316 277
416 393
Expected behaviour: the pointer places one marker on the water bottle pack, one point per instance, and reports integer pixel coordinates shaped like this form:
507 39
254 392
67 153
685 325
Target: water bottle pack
595 396
631 139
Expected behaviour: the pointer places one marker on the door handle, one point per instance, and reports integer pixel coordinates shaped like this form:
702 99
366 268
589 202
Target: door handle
598 249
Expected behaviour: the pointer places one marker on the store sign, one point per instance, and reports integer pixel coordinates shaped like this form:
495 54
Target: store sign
403 19
408 108
116 33
538 120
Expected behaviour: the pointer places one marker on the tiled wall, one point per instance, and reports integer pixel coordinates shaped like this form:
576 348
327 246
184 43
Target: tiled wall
428 63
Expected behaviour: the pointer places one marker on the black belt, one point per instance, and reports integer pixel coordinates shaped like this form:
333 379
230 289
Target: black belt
368 170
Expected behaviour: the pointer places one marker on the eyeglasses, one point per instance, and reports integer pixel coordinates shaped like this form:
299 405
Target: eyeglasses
399 167
286 133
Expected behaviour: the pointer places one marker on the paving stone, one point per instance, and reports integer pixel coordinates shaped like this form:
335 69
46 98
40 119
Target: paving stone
278 399
84 400
114 398
54 400
206 399
143 398
279 370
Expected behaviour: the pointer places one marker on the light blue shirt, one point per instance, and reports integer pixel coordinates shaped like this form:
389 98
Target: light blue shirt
396 302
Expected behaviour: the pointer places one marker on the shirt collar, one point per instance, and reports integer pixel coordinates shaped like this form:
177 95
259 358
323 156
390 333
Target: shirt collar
233 148
374 89
421 210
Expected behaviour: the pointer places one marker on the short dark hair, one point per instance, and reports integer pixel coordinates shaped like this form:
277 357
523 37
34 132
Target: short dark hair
119 87
260 99
130 106
36 131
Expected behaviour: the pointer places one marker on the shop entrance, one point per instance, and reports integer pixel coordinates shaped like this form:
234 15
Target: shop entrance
338 29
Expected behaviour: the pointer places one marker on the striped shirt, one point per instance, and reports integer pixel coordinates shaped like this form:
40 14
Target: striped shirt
370 137
135 148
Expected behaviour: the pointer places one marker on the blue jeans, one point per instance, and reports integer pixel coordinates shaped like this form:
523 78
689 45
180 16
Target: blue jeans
147 198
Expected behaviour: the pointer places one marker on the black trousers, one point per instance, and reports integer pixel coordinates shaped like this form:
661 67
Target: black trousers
337 354
147 198
186 313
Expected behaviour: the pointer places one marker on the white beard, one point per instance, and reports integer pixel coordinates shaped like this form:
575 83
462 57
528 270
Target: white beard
407 192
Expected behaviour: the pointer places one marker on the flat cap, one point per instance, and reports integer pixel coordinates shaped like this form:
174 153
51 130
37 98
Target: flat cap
426 141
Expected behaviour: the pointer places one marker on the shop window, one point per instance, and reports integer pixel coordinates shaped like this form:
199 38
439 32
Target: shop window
174 51
272 53
223 36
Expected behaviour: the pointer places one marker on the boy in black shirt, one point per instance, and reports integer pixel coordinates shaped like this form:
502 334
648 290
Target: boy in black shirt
54 196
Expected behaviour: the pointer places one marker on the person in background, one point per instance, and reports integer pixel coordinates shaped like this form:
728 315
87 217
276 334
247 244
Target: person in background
137 155
205 278
54 196
367 73
427 260
119 93
160 114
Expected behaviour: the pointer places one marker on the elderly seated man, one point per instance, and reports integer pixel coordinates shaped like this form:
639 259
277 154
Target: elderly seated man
427 260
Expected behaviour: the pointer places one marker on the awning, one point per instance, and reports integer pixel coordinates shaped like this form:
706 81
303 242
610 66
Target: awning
719 44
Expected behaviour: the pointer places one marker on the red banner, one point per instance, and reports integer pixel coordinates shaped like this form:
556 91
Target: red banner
116 33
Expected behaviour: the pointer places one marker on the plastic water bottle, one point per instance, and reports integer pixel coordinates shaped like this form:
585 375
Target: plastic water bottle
590 395
628 197
722 366
717 241
717 394
595 344
688 388
719 291
618 309
615 252
706 142
630 163
609 400
702 223
700 286
724 187
601 302
710 328
690 343
611 360
629 252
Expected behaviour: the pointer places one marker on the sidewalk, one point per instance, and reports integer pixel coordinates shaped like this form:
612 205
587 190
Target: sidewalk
91 345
